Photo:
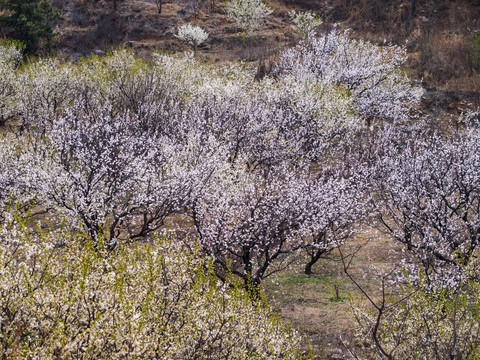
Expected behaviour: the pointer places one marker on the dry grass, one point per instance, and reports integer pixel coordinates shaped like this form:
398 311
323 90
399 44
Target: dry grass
470 84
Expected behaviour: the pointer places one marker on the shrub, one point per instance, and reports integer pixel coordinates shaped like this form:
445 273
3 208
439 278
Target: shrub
192 35
248 13
425 323
305 22
10 57
11 52
152 301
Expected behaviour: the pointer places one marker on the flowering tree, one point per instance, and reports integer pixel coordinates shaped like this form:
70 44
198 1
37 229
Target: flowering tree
44 88
118 79
9 173
370 74
155 301
250 222
305 22
192 35
338 210
427 195
121 144
247 14
412 318
426 324
109 173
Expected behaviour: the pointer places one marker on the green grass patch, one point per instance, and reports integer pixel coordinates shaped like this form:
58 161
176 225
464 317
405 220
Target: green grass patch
298 279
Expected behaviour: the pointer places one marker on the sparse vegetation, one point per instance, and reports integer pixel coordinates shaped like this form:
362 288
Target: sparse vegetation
476 51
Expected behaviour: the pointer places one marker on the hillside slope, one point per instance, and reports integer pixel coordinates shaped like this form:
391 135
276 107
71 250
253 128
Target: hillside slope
93 23
438 36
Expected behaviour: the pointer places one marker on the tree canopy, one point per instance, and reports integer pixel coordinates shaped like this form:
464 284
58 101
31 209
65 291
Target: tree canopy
29 21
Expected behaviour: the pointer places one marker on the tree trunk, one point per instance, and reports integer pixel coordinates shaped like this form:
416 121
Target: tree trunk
308 268
412 13
313 260
316 253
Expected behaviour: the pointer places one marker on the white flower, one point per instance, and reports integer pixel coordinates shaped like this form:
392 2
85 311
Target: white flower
305 22
192 35
248 13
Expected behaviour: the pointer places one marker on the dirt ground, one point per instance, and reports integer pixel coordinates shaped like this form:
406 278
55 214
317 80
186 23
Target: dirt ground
319 305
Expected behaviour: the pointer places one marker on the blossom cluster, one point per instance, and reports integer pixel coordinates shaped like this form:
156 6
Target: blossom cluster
305 22
116 145
192 35
150 301
247 14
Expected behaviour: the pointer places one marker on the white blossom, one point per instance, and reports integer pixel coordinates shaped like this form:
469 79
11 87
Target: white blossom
305 21
192 35
247 14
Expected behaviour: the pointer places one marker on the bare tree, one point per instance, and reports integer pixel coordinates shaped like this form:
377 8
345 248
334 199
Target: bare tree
159 5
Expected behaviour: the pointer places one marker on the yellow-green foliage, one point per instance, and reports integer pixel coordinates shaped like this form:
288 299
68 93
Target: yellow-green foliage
10 57
151 301
476 51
